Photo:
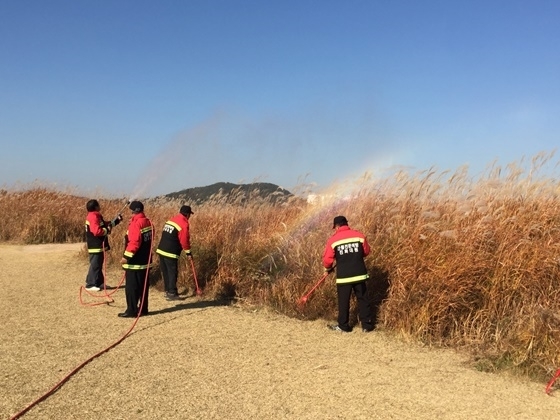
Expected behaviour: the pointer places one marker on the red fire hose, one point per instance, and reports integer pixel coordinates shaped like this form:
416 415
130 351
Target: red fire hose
304 298
105 350
106 295
552 381
198 291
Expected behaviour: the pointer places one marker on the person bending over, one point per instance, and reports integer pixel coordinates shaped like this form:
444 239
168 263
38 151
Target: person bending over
348 248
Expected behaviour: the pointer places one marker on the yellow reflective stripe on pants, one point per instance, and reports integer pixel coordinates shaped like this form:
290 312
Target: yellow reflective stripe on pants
352 279
136 267
167 254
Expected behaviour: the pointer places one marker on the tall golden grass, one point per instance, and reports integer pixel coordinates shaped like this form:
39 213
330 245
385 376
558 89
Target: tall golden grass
471 264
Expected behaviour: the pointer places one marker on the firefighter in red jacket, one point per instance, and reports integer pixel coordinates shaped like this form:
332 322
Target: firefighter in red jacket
97 243
136 261
175 238
348 248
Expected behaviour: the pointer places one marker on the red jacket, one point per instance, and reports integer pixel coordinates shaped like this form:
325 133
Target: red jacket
138 242
175 237
97 230
348 248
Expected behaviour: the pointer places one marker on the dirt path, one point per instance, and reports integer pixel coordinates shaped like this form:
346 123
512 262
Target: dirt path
196 360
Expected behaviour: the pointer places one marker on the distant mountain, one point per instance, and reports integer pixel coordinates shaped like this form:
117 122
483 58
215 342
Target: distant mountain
233 193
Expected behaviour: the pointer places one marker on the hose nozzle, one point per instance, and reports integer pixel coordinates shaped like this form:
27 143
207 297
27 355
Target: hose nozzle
124 207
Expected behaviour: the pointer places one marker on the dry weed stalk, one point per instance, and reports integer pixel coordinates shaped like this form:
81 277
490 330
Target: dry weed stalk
469 263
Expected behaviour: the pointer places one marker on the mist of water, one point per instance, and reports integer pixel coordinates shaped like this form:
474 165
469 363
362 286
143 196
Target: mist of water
279 149
173 153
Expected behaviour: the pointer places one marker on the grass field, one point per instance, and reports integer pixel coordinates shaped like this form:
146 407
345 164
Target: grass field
199 359
455 262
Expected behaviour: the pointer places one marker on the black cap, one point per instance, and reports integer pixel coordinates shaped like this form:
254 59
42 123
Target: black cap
186 210
339 221
136 207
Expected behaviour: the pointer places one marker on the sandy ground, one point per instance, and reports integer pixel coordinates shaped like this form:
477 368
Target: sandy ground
195 359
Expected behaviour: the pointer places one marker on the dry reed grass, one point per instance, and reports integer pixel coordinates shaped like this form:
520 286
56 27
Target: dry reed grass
455 262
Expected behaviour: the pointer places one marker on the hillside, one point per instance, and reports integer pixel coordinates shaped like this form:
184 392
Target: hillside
233 193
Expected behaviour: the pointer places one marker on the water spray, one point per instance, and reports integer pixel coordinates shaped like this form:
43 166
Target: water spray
119 216
124 207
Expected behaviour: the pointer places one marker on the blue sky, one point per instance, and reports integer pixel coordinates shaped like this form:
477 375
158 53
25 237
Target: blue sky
148 97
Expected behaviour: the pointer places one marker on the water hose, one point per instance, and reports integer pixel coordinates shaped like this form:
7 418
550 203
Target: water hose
552 381
304 298
105 350
198 290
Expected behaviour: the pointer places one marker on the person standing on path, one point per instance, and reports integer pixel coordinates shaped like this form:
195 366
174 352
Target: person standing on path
175 238
136 261
97 241
348 248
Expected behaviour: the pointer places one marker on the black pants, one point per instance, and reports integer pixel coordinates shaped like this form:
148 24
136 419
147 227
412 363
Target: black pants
95 273
169 272
344 292
135 280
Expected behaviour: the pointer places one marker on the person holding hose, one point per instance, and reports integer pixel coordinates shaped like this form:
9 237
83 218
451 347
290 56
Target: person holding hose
175 238
136 261
348 248
97 241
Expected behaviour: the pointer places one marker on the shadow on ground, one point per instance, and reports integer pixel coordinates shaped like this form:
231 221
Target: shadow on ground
378 290
378 286
199 304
